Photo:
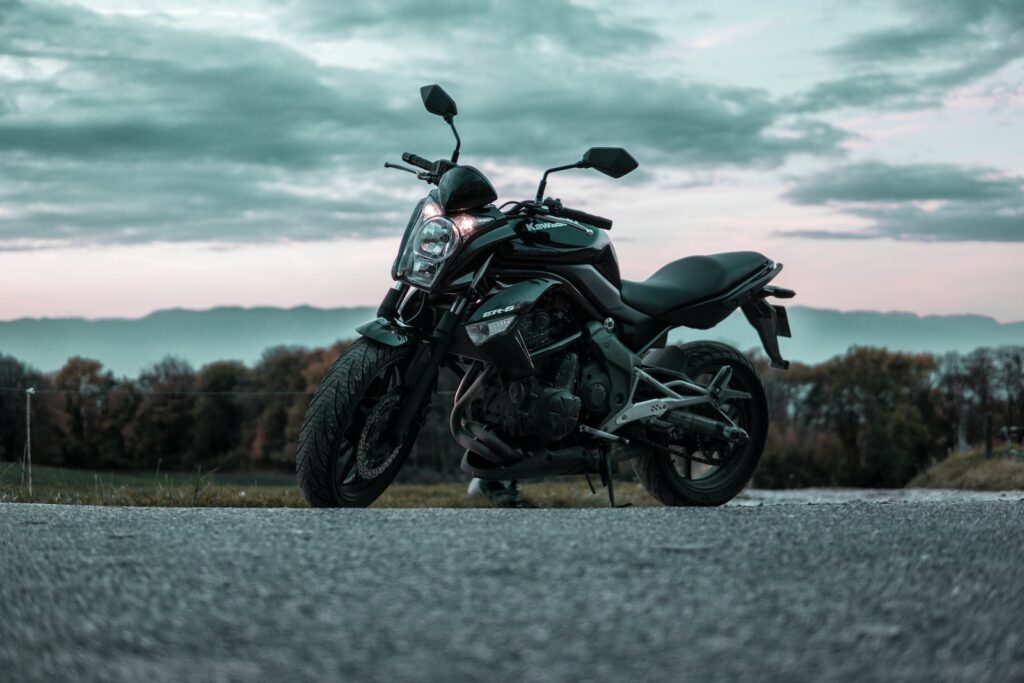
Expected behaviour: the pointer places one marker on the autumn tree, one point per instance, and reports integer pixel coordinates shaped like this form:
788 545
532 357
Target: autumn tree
160 430
867 418
220 414
280 378
87 437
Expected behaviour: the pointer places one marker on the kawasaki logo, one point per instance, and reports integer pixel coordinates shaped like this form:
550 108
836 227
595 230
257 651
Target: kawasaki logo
539 227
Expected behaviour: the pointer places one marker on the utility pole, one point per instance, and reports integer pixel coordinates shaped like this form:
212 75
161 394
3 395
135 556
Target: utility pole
988 435
28 435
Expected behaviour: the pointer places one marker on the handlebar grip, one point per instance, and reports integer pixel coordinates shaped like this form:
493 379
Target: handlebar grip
410 158
584 217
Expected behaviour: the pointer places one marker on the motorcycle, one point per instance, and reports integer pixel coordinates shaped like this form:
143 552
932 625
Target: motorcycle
563 366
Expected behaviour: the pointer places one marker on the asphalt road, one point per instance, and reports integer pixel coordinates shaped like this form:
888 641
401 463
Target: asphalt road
928 591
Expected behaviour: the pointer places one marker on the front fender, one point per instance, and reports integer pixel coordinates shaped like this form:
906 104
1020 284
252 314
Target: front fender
387 332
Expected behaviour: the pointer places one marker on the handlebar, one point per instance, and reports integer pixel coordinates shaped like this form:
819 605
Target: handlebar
410 158
434 171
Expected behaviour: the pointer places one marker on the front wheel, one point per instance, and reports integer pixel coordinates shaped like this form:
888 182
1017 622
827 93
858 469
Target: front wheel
678 480
347 455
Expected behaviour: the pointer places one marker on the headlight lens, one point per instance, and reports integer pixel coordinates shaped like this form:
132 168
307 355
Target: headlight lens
433 239
436 239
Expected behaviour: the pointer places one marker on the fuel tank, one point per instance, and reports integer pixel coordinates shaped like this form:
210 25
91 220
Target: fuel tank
534 245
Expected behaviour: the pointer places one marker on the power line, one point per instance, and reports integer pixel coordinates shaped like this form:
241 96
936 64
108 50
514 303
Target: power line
149 392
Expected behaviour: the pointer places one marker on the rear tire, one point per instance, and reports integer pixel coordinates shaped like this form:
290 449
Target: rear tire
657 472
326 460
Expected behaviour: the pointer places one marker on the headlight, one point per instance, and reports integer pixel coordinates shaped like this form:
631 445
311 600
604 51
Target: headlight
432 240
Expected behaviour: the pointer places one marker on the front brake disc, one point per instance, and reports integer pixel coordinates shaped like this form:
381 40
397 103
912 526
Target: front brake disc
377 449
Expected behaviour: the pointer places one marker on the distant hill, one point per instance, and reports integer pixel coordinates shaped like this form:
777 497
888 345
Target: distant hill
128 345
819 334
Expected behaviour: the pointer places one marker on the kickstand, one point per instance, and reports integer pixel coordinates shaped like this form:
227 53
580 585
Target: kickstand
590 484
606 479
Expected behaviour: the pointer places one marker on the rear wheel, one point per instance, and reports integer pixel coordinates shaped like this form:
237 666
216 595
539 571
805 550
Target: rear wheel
680 480
347 454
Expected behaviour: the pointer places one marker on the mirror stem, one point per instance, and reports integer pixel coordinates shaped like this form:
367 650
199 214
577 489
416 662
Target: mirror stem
458 140
544 179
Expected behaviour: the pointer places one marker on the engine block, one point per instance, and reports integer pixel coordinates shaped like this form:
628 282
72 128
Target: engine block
543 406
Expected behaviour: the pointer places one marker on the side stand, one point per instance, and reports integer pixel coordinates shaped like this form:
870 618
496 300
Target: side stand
606 479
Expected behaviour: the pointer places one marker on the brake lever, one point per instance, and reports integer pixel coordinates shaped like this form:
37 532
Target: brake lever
388 164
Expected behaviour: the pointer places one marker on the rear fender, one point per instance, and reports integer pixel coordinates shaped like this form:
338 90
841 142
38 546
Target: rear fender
770 320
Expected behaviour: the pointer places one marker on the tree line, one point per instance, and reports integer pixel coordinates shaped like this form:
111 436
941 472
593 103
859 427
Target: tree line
876 418
870 417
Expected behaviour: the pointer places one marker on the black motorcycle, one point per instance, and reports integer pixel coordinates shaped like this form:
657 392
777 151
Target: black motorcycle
563 365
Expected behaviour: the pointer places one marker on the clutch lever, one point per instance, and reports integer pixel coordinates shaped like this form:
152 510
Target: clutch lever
424 175
388 164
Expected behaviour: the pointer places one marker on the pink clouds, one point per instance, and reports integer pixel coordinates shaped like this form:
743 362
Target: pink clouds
130 281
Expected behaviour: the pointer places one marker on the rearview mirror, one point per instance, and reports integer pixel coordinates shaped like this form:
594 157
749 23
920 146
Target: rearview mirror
438 102
612 161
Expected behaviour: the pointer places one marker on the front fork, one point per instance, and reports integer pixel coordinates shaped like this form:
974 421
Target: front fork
388 308
429 354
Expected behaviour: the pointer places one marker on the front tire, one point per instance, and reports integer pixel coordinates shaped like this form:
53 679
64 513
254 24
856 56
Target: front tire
349 407
661 475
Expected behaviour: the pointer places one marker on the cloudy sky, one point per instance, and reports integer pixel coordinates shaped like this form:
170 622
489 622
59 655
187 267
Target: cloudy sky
188 153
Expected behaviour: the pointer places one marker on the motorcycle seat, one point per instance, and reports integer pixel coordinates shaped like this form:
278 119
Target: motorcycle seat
692 280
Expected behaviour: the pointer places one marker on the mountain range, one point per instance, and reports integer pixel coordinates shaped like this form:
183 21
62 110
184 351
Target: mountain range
230 333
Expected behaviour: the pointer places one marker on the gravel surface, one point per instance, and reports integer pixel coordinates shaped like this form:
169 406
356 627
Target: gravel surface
769 589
